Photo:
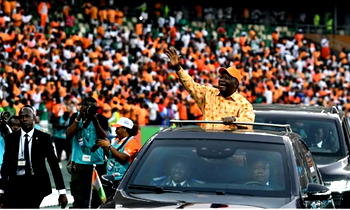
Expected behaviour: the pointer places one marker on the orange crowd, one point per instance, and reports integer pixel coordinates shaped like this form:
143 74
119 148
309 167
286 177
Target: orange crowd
52 57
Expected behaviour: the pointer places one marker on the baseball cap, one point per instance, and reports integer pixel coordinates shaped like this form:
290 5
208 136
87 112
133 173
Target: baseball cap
124 122
232 71
244 33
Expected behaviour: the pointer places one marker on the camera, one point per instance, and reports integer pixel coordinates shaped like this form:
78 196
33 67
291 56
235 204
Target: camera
91 110
5 116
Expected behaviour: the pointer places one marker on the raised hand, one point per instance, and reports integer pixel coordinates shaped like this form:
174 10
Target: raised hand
173 56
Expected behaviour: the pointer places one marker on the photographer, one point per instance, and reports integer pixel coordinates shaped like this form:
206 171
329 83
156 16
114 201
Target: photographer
4 127
85 127
4 131
14 123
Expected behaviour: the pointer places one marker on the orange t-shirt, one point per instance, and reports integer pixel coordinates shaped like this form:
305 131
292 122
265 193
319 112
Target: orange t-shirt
182 111
131 148
111 15
93 12
119 17
143 117
7 8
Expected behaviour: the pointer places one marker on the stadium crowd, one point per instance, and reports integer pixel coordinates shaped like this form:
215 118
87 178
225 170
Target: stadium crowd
52 57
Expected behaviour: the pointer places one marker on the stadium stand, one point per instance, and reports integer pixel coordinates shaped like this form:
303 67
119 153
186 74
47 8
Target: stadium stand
54 50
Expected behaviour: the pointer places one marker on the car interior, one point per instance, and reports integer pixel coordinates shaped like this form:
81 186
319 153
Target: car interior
308 131
215 166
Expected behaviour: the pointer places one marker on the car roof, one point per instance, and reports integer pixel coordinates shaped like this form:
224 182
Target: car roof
296 107
196 132
297 110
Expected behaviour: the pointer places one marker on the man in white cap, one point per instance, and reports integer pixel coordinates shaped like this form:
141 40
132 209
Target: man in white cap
120 153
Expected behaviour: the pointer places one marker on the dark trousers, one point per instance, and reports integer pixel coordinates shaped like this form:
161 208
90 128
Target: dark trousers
23 193
81 185
62 144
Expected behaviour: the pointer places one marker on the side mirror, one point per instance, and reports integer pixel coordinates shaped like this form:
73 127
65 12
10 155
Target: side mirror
317 192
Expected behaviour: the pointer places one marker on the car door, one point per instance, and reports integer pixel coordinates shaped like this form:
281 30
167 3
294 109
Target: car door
308 173
346 130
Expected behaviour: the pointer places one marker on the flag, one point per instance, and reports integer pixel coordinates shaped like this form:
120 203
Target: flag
97 185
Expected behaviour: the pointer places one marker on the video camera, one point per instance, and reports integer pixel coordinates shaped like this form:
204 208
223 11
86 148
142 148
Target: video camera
4 127
91 110
5 116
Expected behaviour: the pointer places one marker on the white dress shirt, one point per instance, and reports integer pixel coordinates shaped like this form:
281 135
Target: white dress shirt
21 171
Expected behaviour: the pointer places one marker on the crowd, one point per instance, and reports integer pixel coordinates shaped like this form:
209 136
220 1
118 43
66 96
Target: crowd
53 57
71 62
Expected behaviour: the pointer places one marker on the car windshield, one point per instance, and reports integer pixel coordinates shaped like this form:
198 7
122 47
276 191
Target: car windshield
321 136
213 166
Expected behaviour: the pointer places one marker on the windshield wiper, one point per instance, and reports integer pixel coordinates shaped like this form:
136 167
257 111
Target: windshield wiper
219 192
152 188
224 192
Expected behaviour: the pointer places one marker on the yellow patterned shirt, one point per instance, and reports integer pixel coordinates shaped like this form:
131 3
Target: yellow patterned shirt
214 106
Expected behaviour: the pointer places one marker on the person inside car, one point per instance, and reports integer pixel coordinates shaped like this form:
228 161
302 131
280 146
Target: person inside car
319 138
323 139
178 175
259 173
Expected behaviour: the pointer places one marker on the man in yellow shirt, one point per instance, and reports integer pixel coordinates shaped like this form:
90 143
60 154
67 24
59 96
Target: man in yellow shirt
222 103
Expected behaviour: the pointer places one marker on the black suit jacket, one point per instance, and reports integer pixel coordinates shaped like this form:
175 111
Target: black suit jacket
42 149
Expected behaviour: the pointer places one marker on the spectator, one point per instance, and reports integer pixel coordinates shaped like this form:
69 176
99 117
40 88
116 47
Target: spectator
43 11
325 50
70 23
32 57
84 128
154 111
10 108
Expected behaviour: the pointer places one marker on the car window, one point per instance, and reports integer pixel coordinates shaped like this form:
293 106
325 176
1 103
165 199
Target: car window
310 165
345 125
229 166
321 136
306 166
303 175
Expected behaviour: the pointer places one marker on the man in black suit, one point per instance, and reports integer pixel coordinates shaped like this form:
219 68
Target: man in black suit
260 173
24 177
179 174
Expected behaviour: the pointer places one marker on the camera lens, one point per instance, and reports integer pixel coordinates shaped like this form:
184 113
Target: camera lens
91 110
5 115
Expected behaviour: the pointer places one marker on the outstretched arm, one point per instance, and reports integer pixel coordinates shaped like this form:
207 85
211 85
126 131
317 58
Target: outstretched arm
196 90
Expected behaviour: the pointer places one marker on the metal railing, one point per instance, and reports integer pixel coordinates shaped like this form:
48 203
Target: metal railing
180 122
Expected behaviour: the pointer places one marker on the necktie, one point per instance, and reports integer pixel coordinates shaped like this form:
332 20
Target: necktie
26 154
